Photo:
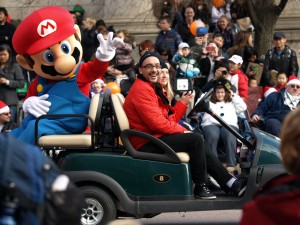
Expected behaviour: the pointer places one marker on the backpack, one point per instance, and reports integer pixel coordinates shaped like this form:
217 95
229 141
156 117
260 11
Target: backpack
32 185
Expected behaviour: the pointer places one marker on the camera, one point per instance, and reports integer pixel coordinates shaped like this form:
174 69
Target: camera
182 85
210 48
224 72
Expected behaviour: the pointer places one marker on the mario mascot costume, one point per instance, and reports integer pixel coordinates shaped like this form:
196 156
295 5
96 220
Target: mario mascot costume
48 43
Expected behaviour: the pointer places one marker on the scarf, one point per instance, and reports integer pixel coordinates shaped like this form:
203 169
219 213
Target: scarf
291 101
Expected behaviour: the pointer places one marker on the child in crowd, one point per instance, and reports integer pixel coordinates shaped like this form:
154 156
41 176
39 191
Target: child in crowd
123 58
167 35
186 64
254 95
238 78
252 82
281 81
97 87
218 39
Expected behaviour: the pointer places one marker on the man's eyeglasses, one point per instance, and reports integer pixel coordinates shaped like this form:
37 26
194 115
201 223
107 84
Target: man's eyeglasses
295 86
164 54
6 114
150 66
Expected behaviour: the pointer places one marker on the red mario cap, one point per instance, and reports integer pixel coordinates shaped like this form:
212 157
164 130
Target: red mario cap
43 28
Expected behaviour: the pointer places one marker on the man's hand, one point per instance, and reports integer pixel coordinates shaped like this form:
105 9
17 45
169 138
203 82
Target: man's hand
107 48
36 106
3 81
255 118
112 71
187 97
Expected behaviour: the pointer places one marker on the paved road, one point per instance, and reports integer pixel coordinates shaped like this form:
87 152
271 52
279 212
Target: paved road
223 217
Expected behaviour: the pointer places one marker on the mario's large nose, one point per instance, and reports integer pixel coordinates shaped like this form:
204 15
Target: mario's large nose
65 64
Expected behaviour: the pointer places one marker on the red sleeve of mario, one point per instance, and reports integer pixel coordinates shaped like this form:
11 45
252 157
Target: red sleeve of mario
89 72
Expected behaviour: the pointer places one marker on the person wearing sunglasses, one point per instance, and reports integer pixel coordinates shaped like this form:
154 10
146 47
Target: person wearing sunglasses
273 109
6 124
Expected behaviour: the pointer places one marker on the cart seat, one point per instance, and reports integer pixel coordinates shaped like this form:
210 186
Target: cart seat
84 140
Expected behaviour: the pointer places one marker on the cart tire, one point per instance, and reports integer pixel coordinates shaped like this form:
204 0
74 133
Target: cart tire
100 208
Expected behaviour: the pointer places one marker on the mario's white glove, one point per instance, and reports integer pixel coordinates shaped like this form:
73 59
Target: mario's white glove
107 48
36 106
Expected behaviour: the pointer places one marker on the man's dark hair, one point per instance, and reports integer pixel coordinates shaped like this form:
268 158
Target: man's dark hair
167 18
217 34
2 9
100 23
223 63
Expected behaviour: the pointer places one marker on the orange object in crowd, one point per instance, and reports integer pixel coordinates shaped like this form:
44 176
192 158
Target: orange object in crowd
194 25
218 3
113 87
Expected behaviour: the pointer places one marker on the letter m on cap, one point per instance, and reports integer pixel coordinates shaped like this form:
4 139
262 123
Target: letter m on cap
46 27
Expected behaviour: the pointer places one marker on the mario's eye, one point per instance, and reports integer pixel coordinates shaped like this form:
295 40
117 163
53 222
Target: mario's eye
49 56
66 47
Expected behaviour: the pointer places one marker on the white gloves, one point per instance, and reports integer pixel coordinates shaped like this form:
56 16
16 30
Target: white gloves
107 48
36 106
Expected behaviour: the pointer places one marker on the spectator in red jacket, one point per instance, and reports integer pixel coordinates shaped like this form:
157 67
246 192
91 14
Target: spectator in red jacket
278 201
148 110
238 78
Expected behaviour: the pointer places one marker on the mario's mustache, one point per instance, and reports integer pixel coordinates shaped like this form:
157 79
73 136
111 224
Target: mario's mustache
50 70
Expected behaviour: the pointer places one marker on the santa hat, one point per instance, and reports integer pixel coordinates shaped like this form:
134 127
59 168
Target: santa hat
293 80
267 91
3 108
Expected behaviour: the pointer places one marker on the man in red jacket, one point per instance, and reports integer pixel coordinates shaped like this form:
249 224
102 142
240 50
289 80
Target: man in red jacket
149 111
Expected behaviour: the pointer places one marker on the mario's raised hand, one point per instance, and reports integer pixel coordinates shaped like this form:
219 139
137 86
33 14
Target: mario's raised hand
36 106
107 48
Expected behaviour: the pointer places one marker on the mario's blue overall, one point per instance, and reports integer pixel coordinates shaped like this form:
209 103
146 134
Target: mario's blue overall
69 101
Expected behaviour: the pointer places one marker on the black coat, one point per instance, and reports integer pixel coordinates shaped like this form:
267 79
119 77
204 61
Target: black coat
285 62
